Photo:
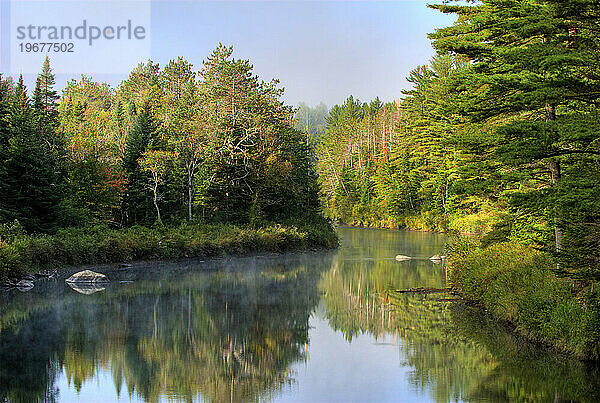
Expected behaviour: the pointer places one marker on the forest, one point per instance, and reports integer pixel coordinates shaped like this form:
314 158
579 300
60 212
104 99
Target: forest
497 136
168 148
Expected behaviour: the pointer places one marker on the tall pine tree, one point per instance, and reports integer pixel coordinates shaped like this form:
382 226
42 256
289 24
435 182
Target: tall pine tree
45 104
137 205
535 74
29 187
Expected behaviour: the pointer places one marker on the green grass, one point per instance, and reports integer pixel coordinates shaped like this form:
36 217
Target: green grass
516 284
21 253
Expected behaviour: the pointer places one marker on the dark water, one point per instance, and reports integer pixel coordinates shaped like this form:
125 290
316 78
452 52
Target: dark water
311 327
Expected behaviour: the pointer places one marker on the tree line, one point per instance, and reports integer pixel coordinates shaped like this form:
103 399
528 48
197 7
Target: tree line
499 134
167 144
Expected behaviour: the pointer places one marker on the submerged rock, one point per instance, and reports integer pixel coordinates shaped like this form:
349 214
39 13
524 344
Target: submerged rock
87 288
87 276
402 257
45 274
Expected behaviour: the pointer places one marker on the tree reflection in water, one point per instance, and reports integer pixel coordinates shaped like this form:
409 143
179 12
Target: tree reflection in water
232 330
222 335
455 351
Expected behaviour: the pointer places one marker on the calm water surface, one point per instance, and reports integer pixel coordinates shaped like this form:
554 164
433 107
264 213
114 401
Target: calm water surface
310 327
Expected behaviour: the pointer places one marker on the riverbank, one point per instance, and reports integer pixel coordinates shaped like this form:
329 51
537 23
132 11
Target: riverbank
466 224
516 284
22 254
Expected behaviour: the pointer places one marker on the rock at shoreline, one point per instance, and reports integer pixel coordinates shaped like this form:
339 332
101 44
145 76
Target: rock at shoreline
402 257
87 276
437 258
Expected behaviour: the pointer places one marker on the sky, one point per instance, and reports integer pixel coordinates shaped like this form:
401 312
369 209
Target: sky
321 51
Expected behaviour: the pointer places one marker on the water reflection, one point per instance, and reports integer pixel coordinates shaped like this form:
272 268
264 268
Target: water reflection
454 351
226 333
257 328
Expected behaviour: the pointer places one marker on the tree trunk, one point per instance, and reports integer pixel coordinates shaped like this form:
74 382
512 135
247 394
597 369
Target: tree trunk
554 177
554 166
155 200
190 193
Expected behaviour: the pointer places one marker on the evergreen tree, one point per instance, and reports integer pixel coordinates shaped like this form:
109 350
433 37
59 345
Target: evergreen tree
29 189
534 77
136 202
45 104
5 103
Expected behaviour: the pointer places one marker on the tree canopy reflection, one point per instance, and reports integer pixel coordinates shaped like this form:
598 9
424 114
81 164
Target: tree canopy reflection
220 336
233 330
455 351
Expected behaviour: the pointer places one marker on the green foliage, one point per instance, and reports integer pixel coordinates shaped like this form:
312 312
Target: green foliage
29 179
531 97
395 164
137 207
168 143
516 283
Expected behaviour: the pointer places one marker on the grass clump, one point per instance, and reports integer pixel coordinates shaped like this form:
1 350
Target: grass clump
21 253
516 283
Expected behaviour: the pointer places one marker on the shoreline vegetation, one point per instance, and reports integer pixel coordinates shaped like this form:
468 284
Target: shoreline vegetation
516 284
473 224
22 254
176 161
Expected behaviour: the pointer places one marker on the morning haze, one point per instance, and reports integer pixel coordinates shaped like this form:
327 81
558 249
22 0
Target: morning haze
320 51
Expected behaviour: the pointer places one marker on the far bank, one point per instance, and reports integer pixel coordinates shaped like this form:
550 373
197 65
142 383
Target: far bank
22 254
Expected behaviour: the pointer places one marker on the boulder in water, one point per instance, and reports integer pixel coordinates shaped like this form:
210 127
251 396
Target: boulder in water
400 258
87 276
435 257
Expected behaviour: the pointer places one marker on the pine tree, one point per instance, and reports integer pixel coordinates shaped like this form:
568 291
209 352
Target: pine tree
535 73
5 102
29 190
45 104
136 203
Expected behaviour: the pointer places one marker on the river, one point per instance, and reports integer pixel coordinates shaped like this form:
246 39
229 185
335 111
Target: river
303 327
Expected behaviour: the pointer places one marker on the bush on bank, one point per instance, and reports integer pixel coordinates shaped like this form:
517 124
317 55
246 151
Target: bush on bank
516 283
21 253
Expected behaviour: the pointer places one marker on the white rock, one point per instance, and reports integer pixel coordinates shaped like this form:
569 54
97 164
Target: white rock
24 285
402 257
87 276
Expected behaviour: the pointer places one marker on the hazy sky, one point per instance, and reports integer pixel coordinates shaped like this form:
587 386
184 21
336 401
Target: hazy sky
321 51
